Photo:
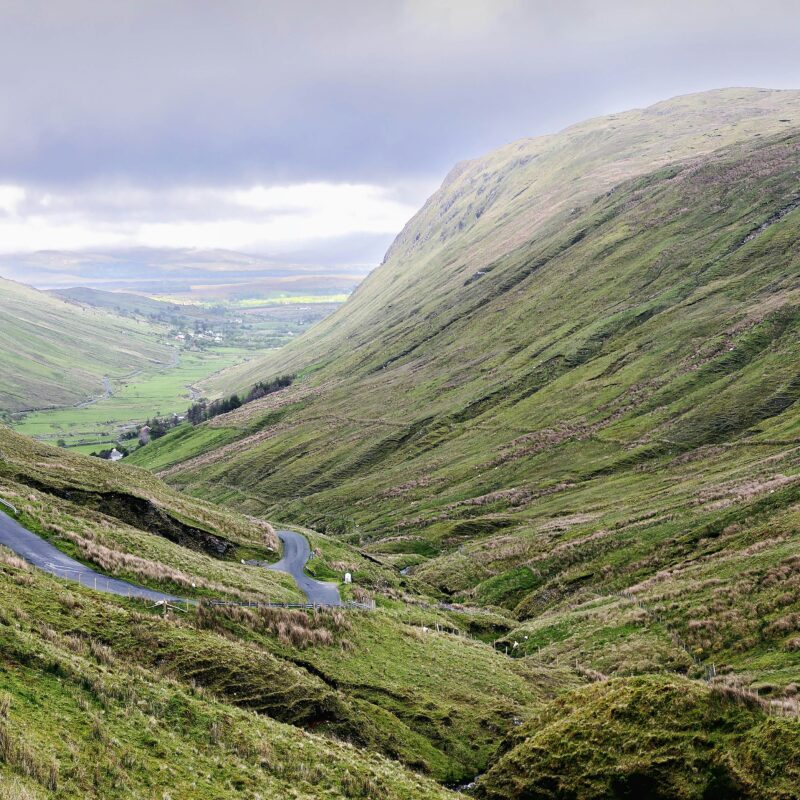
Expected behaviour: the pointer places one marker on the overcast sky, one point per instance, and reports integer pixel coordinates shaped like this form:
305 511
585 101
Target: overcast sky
318 128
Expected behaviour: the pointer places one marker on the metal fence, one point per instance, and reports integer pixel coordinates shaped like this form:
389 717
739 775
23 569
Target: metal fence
8 505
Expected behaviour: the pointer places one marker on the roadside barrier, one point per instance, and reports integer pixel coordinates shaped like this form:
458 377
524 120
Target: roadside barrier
8 505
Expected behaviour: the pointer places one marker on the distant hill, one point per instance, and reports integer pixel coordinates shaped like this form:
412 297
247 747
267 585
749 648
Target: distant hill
54 353
157 271
118 302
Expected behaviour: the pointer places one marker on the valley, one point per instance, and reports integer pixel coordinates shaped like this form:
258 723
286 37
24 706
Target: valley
133 399
546 456
193 340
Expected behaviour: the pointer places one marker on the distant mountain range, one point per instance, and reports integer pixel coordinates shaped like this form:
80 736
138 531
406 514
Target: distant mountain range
173 271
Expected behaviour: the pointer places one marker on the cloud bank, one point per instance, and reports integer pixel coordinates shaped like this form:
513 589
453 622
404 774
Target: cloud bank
256 218
284 124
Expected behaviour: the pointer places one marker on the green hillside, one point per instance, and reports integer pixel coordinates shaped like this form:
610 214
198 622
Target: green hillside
41 335
409 680
569 394
117 302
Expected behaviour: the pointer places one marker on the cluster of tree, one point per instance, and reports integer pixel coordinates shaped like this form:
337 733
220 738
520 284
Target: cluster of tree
200 412
159 426
263 388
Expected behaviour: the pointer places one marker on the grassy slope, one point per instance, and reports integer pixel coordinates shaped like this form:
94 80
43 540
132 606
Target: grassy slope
435 700
660 738
84 713
489 207
39 334
579 404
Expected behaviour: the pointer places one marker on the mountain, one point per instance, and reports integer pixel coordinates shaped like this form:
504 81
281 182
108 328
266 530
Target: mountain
40 335
585 319
492 206
570 395
178 271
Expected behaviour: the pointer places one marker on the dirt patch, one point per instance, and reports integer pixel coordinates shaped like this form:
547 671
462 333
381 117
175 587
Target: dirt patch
726 494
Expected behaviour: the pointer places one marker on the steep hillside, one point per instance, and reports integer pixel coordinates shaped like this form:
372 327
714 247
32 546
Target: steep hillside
409 680
608 408
577 407
491 206
40 334
103 699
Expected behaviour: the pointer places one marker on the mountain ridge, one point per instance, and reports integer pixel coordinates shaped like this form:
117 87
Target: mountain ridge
582 161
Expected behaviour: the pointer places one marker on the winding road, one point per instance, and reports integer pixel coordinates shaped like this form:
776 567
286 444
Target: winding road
47 557
296 552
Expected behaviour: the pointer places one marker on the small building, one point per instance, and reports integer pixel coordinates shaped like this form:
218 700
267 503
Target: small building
115 455
348 578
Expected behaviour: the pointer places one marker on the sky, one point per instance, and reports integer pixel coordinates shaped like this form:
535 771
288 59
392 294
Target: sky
312 131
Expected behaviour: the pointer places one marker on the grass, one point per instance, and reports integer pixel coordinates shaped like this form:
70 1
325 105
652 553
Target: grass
82 718
570 395
119 520
407 680
136 398
40 333
649 737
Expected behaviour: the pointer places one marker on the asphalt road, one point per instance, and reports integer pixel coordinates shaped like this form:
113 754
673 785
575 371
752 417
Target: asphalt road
46 557
296 552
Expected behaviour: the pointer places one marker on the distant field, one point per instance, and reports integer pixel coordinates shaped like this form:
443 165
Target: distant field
135 399
260 301
195 340
291 299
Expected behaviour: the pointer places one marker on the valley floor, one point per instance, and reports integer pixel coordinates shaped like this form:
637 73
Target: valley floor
158 392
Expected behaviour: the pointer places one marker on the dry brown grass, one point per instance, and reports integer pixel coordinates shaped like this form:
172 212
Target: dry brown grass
10 559
12 788
20 756
268 535
293 627
726 494
565 523
422 482
116 562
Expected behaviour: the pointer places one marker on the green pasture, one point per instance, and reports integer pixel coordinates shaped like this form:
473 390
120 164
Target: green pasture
162 392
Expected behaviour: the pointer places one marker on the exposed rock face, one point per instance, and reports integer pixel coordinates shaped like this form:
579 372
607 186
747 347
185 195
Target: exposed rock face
145 515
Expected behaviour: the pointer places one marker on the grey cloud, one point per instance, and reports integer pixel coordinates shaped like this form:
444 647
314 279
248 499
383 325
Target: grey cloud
199 90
